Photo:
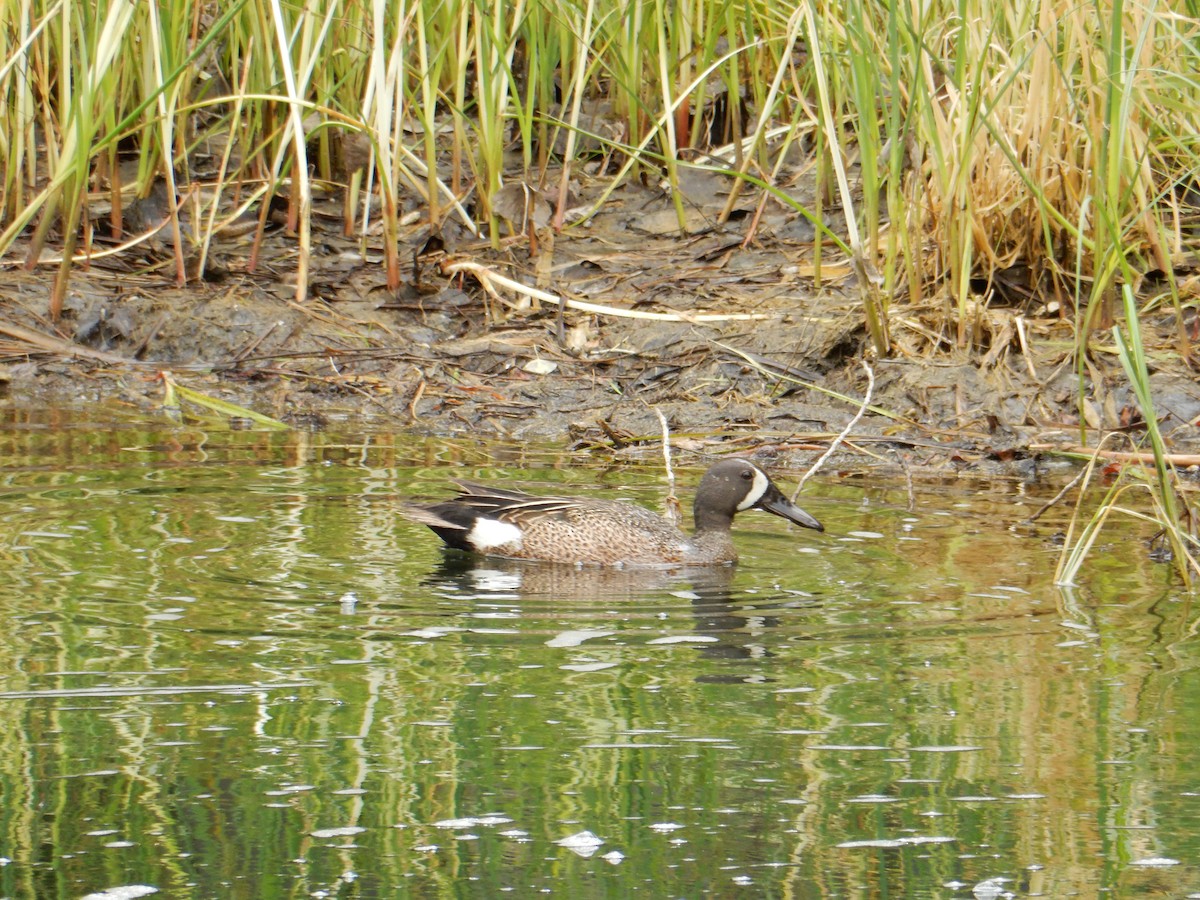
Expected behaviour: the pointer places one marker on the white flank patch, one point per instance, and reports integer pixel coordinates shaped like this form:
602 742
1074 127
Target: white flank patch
756 490
488 534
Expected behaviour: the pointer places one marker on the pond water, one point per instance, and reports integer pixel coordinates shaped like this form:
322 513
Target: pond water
229 669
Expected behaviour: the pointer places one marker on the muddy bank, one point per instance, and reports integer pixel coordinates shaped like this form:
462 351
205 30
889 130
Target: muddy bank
744 345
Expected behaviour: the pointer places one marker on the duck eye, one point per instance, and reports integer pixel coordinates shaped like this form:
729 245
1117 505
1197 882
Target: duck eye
747 475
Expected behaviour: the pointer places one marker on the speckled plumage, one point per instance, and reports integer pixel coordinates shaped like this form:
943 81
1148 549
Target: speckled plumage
584 531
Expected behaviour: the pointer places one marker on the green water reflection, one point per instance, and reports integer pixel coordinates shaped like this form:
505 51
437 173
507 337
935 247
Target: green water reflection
228 669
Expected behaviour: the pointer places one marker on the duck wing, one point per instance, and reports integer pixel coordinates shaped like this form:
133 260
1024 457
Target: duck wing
476 501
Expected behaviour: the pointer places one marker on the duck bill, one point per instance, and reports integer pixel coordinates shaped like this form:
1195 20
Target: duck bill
773 501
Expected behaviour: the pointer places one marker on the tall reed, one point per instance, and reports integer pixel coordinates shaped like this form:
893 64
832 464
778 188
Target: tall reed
981 152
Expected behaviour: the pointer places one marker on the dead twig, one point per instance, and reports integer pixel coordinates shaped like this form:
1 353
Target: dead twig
51 344
1057 497
779 371
863 406
674 513
1023 338
490 280
1146 458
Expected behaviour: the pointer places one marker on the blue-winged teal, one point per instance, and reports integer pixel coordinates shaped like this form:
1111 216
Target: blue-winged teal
514 524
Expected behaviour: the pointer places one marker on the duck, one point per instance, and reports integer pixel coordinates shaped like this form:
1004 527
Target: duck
584 531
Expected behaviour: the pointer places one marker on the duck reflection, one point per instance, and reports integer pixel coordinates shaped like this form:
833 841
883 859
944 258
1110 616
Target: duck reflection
587 585
735 624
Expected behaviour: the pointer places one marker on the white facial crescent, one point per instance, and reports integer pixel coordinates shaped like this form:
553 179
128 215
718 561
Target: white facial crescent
757 489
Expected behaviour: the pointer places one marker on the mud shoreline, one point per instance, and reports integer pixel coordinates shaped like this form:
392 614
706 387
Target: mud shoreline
746 349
